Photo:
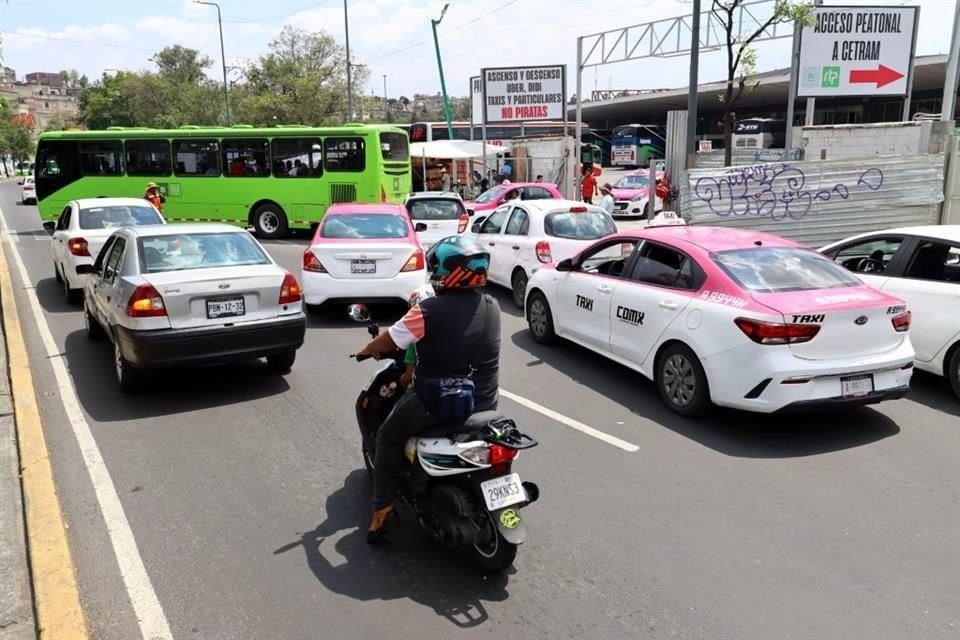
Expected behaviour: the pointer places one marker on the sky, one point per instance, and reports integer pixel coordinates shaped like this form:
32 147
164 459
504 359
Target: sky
390 37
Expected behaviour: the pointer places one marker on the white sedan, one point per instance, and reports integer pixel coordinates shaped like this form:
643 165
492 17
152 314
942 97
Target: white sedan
922 266
82 229
523 236
727 316
28 190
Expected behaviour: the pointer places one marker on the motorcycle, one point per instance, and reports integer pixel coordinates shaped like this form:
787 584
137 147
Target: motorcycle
459 481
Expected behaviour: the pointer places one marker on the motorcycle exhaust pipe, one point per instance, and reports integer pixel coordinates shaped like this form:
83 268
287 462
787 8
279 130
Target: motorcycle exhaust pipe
533 492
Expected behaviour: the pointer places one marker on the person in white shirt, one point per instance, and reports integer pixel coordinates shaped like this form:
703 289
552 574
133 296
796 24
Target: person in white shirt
606 202
444 180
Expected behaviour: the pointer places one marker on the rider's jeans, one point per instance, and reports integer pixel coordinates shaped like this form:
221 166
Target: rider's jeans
407 419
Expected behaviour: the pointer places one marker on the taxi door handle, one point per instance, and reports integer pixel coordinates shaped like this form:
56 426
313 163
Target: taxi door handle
604 289
669 306
492 244
516 247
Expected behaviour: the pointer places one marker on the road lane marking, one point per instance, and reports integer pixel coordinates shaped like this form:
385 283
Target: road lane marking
570 422
146 606
53 574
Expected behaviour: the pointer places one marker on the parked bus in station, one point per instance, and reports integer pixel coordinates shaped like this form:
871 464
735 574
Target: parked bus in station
497 134
633 145
759 133
272 179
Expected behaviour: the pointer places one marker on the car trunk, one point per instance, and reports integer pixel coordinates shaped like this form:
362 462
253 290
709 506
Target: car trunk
853 322
363 259
211 297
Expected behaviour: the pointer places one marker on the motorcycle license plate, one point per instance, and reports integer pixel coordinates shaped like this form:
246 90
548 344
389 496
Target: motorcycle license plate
503 491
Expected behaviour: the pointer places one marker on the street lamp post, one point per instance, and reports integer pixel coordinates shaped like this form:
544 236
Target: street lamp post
384 97
223 57
443 84
346 33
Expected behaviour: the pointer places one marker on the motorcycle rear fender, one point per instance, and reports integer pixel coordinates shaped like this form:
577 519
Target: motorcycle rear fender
510 524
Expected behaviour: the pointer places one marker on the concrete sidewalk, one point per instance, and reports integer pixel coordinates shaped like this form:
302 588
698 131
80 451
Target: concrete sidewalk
16 595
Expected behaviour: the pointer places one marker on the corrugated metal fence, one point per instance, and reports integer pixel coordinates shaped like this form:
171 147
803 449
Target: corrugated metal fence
819 201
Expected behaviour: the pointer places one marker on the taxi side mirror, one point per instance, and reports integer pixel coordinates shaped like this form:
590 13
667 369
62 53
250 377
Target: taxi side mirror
50 226
565 265
420 226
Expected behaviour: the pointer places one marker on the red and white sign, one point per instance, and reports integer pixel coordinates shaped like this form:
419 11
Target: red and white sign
524 94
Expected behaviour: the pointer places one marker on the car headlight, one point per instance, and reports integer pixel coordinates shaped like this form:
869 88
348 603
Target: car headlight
638 198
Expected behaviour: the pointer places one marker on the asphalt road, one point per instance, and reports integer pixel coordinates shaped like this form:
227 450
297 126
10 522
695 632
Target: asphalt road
246 497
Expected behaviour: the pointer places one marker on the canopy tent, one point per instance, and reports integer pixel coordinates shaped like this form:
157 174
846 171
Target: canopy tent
452 150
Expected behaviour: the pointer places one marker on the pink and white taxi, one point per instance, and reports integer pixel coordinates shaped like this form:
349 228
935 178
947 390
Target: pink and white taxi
726 316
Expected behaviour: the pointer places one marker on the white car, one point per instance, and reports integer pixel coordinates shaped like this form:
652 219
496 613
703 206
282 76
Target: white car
443 213
727 316
363 253
82 229
28 190
523 236
922 266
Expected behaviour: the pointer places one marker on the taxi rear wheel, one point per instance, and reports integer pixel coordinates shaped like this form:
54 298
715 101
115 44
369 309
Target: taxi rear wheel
519 287
681 381
539 319
282 362
130 379
953 374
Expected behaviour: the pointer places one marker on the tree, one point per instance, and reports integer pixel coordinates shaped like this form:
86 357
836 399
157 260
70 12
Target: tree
106 103
56 123
181 65
20 140
742 57
302 80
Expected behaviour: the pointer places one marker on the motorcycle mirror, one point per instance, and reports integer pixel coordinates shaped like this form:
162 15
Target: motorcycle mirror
359 313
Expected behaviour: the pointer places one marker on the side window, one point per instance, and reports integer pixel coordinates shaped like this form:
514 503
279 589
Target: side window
519 223
494 223
297 158
246 158
664 267
112 265
64 221
101 158
102 256
536 193
608 258
345 154
937 261
197 157
148 157
867 256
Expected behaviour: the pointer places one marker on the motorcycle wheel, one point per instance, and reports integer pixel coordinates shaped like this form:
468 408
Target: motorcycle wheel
495 556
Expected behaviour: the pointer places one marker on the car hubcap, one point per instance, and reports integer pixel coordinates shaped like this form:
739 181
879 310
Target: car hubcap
538 318
269 221
519 288
679 380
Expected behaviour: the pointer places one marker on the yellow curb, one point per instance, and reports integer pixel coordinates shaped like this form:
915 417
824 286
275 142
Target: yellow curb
56 596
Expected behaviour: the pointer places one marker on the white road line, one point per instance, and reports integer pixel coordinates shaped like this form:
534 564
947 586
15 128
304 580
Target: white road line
570 422
146 606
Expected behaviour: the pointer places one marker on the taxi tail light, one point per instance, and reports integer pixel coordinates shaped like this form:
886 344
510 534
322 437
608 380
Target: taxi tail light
464 221
416 262
543 252
290 290
146 303
79 247
312 263
383 194
777 333
901 322
500 456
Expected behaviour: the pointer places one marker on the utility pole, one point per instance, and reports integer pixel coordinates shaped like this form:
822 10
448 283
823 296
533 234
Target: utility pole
443 84
694 83
346 31
223 57
950 83
384 97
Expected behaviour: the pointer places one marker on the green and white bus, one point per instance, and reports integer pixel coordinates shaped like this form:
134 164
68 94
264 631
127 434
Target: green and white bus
272 178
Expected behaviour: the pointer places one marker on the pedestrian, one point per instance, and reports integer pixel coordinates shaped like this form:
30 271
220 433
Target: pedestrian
606 202
588 187
507 171
154 197
539 179
444 180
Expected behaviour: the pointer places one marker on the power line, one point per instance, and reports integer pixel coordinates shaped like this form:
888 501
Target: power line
85 42
286 15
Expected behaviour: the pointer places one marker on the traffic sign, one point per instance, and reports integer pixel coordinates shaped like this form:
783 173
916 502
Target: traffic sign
857 51
524 94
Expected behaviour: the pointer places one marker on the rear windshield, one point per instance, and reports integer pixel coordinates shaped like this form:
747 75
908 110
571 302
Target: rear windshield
440 209
364 225
394 146
776 269
112 217
489 195
588 225
199 251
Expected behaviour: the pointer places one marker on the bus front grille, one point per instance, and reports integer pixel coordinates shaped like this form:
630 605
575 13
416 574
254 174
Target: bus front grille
343 193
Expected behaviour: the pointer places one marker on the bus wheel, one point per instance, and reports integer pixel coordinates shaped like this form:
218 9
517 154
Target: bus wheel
269 221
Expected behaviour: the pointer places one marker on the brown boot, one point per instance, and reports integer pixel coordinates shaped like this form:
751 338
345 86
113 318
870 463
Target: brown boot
383 521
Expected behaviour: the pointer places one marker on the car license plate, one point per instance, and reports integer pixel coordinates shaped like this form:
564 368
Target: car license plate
225 308
363 266
855 386
503 491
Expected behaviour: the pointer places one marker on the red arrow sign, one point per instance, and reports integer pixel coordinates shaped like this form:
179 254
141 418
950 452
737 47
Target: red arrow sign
882 76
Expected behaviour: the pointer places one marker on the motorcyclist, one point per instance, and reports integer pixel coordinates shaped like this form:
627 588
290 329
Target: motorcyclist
410 358
457 335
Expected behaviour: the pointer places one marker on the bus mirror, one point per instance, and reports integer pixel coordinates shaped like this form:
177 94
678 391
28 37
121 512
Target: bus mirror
50 226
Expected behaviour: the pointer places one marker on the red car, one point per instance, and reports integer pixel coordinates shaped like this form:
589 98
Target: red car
495 196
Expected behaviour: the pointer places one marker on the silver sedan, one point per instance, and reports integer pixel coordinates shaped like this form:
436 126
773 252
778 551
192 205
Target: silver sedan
191 294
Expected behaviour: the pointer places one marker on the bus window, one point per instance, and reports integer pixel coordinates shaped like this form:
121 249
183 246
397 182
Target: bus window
345 154
246 158
394 146
101 158
197 157
297 158
148 157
